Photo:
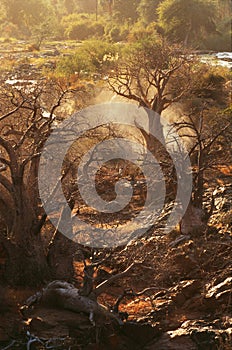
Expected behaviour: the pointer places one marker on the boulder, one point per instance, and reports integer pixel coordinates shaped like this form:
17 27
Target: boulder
194 335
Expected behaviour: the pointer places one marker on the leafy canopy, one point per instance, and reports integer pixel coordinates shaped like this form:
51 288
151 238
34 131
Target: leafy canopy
187 21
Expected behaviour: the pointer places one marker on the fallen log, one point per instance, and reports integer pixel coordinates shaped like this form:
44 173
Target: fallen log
64 295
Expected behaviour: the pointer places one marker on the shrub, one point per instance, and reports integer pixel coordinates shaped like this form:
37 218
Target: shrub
140 32
98 30
78 64
218 42
208 83
92 57
114 34
84 30
100 53
83 26
79 31
10 30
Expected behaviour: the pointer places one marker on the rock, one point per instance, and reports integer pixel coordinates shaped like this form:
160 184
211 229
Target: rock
219 294
186 263
185 290
222 195
50 53
63 295
208 336
143 333
120 342
194 335
176 340
162 309
49 323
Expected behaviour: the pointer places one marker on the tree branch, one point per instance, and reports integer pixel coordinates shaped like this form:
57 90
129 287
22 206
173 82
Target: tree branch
104 285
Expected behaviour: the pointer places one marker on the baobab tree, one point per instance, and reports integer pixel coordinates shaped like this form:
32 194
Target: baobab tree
145 71
28 115
155 75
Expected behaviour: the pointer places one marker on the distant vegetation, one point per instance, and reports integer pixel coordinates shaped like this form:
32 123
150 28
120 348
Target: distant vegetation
202 24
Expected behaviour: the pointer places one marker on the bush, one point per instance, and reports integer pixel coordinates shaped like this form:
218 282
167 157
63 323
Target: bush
83 26
218 42
10 30
141 32
79 31
92 57
79 64
84 30
100 53
114 34
98 30
208 83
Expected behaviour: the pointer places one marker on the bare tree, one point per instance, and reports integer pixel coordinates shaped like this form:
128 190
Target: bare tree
28 115
153 74
208 143
207 138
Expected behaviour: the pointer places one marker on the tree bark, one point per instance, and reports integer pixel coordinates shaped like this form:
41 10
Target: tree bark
25 264
60 258
199 190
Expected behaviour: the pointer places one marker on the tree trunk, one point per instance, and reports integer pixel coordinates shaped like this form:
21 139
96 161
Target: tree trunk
155 127
87 288
60 258
62 249
192 221
199 187
25 264
26 258
27 261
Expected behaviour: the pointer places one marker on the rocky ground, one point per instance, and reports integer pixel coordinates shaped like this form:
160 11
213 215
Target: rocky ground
189 306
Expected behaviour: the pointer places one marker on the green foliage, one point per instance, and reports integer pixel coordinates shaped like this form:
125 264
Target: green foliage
27 14
218 42
187 21
74 64
115 32
82 26
92 57
208 85
145 72
9 30
100 53
147 10
221 41
151 53
84 30
126 10
41 32
140 32
87 6
70 6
